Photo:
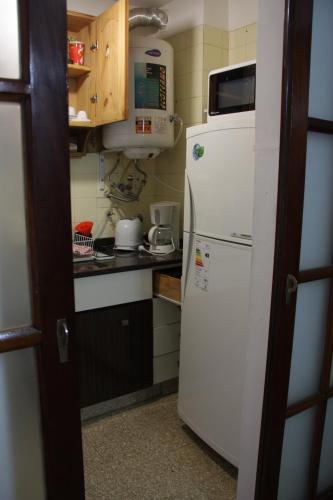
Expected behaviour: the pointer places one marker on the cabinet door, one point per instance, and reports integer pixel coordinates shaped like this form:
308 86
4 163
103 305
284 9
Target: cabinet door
115 351
112 64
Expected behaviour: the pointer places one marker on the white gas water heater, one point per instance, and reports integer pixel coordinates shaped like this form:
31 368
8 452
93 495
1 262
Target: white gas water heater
149 129
150 125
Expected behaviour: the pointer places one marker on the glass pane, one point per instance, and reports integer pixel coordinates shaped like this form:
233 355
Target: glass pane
309 334
9 40
317 231
325 480
296 452
15 306
21 462
321 75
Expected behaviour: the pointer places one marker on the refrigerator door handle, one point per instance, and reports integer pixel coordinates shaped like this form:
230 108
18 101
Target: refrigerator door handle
241 236
190 241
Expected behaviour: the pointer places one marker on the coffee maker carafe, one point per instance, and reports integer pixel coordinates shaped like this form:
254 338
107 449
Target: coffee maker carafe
162 236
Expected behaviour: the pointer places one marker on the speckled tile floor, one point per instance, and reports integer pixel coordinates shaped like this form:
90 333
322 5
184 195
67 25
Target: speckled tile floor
148 453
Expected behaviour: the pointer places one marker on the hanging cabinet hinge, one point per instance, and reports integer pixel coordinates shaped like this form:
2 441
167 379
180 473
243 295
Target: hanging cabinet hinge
94 46
291 286
94 98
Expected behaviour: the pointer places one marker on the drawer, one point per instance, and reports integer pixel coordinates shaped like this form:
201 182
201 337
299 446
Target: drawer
107 290
166 339
166 367
165 312
167 285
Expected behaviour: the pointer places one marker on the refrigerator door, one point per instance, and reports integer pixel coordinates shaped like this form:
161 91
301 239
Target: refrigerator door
219 183
213 340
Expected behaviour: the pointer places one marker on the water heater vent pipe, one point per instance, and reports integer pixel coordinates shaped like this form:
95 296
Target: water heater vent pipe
152 17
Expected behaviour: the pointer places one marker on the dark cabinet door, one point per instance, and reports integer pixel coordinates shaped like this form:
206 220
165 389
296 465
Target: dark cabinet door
115 347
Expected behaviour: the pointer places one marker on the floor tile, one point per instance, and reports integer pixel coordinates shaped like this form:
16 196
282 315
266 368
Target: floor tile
147 453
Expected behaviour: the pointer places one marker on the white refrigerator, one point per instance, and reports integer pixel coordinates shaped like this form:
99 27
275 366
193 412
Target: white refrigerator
219 184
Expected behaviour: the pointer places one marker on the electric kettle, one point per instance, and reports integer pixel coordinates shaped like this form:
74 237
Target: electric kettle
128 234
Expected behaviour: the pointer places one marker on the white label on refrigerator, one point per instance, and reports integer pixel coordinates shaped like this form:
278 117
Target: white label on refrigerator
202 255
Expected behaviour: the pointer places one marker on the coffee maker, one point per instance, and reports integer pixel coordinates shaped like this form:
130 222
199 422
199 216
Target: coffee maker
163 236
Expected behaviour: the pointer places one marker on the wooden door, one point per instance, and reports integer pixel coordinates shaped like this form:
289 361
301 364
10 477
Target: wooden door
37 97
112 64
296 451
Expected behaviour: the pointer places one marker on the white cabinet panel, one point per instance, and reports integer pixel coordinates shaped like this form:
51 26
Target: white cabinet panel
166 339
165 313
166 367
106 290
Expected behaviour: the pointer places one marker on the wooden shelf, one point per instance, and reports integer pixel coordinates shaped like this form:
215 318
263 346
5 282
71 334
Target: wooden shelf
76 21
78 124
77 70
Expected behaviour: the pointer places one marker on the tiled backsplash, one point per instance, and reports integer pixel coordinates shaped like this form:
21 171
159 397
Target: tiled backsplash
196 52
242 44
89 204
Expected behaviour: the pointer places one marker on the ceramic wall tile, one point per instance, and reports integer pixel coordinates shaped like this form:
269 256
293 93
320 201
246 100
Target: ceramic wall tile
196 35
195 58
181 83
86 209
237 55
212 36
237 38
194 84
251 33
182 62
225 40
195 111
251 50
224 58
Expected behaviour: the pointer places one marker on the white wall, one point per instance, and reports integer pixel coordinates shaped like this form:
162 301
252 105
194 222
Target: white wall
92 7
186 14
183 15
242 13
269 73
216 13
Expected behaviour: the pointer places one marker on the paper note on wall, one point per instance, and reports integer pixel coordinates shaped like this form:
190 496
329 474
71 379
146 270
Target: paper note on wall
201 256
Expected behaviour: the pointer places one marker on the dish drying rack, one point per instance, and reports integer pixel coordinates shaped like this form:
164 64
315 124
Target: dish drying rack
83 248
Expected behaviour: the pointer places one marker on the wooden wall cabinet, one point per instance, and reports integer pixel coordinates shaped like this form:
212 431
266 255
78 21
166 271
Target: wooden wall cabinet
115 351
100 86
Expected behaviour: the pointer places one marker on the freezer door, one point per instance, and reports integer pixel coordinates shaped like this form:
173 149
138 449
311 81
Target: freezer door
219 181
213 342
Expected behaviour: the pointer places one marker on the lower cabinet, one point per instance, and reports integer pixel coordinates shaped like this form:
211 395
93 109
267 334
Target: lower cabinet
115 351
166 340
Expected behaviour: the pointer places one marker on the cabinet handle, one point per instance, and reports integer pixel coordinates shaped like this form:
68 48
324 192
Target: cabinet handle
94 46
107 51
124 322
94 98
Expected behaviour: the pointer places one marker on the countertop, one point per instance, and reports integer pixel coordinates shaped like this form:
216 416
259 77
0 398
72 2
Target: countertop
120 264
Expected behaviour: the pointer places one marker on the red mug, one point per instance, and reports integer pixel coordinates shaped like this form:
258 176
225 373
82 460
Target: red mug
76 52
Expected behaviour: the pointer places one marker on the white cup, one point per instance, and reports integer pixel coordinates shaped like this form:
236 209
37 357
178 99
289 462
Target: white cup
82 115
71 111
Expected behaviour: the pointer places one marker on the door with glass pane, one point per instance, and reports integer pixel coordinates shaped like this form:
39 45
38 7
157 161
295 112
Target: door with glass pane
40 432
296 449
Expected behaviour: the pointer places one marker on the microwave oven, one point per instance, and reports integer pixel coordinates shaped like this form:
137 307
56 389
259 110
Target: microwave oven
232 89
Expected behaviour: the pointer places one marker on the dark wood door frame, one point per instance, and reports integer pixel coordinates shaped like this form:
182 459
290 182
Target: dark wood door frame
295 125
42 92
